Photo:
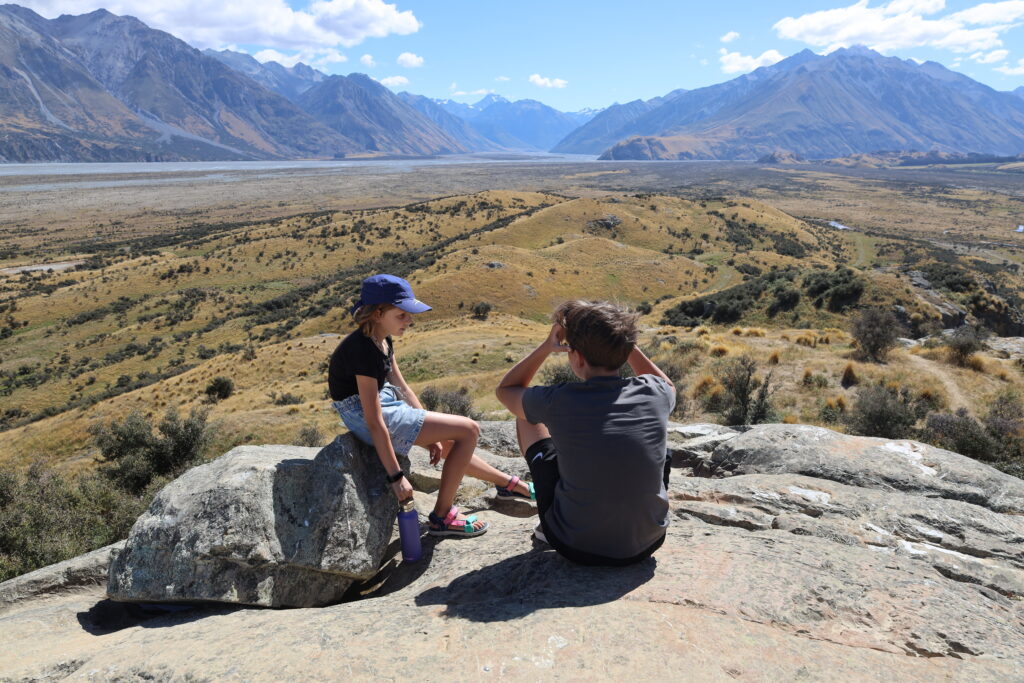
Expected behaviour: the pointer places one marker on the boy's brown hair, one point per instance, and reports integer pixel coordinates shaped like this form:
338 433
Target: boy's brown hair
601 331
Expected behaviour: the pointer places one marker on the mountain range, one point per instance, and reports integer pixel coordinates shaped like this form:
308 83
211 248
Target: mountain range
851 101
101 87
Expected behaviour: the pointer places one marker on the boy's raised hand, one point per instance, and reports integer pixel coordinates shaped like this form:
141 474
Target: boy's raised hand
556 339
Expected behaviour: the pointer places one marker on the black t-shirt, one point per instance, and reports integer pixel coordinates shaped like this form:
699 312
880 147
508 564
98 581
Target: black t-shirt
357 354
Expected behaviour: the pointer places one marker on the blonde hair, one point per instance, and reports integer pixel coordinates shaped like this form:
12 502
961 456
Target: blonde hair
364 316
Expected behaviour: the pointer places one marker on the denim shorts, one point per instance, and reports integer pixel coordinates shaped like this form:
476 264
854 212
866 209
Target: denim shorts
402 420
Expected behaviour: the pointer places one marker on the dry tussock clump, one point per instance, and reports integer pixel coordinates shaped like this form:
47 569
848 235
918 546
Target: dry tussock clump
755 332
717 351
738 331
790 419
976 363
703 385
849 377
807 340
774 358
701 331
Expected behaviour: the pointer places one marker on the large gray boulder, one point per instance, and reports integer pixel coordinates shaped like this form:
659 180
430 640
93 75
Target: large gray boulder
275 526
887 464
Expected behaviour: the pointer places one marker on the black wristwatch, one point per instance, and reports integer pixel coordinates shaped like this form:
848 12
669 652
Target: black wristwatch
392 478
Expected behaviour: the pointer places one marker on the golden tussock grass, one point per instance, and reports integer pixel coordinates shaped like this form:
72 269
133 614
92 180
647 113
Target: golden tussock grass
774 358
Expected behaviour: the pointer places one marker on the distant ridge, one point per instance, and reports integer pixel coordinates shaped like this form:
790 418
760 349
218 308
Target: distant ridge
851 101
289 82
365 111
593 136
102 87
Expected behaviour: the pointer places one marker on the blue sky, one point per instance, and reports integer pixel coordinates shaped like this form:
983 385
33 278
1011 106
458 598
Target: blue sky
573 54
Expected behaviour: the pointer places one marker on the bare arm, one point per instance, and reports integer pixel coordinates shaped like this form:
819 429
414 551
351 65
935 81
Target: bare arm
642 365
512 386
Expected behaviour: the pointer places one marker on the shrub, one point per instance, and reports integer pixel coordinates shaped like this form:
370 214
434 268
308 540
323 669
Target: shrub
962 344
1005 422
452 402
45 518
833 410
558 373
849 377
220 388
481 310
746 397
960 433
134 455
309 436
885 411
876 331
285 399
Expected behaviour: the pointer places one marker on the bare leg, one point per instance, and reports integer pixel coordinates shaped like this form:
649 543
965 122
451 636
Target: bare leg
478 468
464 433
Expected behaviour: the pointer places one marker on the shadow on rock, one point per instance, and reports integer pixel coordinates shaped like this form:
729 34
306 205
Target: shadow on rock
535 580
109 616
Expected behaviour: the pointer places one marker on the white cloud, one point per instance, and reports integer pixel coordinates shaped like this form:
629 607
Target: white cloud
901 24
544 82
409 60
268 23
734 62
502 79
481 91
367 61
1013 70
729 37
393 81
991 57
320 58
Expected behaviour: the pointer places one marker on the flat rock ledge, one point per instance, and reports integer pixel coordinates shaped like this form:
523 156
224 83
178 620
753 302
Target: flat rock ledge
814 556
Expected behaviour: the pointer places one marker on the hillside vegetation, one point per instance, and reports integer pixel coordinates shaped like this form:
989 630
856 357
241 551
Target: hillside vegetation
147 329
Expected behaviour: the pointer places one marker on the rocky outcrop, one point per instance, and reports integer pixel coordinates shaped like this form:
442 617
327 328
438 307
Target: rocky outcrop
770 573
275 526
78 572
870 463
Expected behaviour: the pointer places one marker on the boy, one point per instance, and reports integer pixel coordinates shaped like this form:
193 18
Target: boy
596 449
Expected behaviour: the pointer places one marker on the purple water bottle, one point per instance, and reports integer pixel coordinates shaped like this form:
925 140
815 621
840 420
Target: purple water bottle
409 531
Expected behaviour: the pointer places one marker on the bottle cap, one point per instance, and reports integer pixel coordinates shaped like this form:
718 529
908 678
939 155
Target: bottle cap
408 504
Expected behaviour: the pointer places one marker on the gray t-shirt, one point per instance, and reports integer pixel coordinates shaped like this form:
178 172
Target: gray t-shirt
610 434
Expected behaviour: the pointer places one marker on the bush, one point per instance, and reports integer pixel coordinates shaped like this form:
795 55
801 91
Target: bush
481 310
876 331
285 399
451 402
46 519
309 436
960 433
962 344
885 411
747 399
134 455
220 388
1005 422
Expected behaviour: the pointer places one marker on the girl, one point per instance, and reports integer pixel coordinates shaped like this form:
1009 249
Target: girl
379 408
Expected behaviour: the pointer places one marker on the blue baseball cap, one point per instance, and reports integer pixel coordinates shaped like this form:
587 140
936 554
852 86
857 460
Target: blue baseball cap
389 289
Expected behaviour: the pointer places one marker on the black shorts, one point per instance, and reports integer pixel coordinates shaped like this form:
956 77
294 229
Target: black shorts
542 459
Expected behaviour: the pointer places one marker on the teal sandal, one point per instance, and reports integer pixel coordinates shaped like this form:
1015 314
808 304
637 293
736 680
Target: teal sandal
509 491
450 526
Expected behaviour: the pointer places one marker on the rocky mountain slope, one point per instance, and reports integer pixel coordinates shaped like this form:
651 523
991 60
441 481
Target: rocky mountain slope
853 100
378 120
804 554
287 81
174 100
592 137
458 128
